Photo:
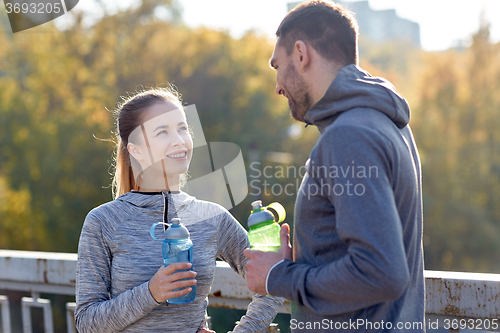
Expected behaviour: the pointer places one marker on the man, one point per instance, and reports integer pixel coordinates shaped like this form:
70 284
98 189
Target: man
357 255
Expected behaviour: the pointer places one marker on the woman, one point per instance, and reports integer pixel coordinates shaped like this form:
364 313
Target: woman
121 282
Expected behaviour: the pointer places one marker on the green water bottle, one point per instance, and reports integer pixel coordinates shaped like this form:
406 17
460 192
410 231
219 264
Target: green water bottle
264 233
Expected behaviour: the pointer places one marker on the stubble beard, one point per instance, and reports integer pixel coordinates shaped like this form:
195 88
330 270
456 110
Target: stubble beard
298 96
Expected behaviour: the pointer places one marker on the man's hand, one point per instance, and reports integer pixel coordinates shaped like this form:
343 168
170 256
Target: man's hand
261 262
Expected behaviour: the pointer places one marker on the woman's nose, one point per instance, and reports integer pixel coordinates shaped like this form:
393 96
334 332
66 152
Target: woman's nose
178 140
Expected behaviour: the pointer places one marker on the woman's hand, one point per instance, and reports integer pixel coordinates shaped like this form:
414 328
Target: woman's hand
165 280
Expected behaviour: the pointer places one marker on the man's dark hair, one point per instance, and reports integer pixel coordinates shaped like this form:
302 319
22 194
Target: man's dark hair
329 28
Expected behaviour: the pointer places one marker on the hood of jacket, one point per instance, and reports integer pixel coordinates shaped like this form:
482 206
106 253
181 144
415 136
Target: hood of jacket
153 199
352 88
172 204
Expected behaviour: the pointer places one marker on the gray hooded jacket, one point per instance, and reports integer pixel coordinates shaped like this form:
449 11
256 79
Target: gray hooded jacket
358 258
117 257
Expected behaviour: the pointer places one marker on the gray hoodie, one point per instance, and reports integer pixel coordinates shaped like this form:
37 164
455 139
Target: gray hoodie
358 257
117 257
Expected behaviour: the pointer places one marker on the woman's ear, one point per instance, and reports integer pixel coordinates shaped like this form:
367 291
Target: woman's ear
135 151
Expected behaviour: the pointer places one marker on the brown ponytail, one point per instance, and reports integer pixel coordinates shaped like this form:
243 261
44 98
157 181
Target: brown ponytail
123 179
129 115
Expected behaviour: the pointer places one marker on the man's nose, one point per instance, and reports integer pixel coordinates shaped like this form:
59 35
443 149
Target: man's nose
279 91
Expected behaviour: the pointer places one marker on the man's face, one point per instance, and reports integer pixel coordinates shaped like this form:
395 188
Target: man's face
290 84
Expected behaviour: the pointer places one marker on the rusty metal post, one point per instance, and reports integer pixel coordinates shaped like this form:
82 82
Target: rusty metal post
35 301
70 317
4 301
273 328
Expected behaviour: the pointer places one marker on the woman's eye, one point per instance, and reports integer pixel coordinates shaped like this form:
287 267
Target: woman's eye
183 128
161 132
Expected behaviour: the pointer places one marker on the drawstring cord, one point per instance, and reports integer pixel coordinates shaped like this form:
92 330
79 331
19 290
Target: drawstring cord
165 211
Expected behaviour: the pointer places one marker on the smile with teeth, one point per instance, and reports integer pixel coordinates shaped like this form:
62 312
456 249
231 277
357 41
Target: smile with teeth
178 155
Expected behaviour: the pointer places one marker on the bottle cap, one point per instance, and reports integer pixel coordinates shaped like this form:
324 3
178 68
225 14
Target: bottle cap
278 211
177 230
256 204
261 214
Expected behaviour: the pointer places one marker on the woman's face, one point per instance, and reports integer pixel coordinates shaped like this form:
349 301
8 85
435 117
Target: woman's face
165 143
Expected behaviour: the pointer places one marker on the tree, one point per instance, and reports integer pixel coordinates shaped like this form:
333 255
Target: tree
59 89
456 127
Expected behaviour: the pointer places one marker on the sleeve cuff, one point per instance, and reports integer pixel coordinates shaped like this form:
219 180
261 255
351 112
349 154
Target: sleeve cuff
149 298
269 273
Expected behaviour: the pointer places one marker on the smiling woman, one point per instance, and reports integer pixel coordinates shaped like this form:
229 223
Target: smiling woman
160 148
122 284
151 124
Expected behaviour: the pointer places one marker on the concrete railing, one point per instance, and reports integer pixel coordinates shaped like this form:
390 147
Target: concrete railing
453 300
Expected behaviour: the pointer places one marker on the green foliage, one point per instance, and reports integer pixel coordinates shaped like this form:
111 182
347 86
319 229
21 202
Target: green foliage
57 89
456 126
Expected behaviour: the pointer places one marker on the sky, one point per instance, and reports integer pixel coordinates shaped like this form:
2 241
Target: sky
442 22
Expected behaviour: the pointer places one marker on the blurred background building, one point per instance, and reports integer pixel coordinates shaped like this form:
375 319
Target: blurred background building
380 25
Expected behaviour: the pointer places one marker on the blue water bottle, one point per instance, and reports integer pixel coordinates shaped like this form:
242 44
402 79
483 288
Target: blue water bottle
177 247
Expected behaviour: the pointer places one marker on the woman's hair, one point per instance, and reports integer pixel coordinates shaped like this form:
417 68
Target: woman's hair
130 115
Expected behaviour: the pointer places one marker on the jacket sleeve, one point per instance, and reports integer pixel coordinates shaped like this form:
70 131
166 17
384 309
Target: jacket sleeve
232 241
375 268
95 311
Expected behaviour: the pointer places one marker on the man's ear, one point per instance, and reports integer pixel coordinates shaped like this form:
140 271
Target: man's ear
301 55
